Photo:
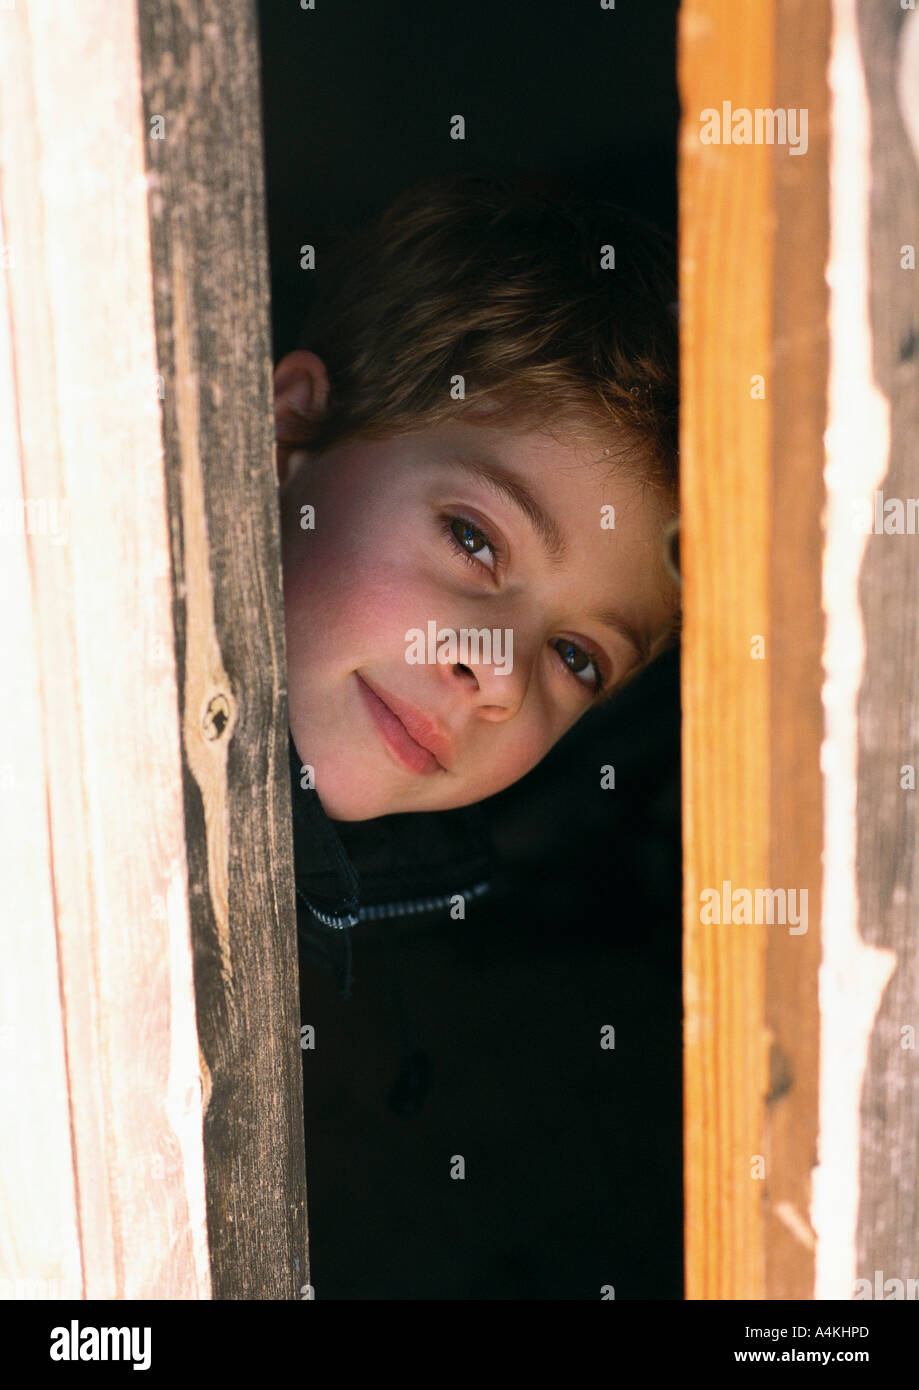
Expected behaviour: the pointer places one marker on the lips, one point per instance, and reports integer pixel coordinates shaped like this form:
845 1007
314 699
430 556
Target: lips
412 736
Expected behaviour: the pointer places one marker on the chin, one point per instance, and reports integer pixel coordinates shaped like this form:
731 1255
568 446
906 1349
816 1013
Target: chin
350 808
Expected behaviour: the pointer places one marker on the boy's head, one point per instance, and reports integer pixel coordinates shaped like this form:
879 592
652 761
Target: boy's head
477 448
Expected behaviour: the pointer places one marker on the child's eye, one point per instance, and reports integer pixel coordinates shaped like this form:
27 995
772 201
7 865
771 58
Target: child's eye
469 540
578 661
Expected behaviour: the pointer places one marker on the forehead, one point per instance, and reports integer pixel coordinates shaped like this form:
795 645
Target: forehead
563 472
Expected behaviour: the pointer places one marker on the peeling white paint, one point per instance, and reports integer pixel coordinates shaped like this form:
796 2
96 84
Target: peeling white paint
857 440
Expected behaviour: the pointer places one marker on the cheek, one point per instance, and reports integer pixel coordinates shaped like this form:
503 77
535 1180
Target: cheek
352 598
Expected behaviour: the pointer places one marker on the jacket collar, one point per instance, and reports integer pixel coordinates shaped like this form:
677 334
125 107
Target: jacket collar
347 872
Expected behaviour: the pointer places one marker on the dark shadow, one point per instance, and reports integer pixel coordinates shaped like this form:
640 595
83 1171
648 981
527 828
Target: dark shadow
574 1153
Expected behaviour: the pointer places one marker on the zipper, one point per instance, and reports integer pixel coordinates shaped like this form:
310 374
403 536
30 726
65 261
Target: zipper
382 911
328 919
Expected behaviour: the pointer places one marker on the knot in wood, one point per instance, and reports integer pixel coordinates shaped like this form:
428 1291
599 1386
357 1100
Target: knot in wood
216 716
781 1077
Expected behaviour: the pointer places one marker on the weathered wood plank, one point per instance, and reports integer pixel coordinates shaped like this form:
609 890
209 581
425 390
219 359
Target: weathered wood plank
888 708
799 371
102 1164
200 78
149 1011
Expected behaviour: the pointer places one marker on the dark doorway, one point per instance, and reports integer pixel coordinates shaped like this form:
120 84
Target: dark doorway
574 1152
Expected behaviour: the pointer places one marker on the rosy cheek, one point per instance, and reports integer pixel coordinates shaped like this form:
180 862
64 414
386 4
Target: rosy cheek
363 612
394 591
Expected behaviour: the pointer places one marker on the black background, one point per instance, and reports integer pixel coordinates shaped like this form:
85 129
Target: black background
573 1154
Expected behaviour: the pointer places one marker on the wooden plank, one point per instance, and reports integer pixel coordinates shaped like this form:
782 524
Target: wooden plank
211 296
752 310
724 50
152 1138
102 1165
887 1234
797 496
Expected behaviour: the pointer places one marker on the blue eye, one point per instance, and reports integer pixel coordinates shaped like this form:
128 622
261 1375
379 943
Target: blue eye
577 660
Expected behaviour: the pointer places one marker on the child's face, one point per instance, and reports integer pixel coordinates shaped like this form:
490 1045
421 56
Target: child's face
384 557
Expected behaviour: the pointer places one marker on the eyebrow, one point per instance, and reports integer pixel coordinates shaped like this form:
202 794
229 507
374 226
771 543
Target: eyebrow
611 617
514 490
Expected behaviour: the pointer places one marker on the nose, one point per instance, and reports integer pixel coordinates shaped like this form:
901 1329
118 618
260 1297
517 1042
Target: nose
494 672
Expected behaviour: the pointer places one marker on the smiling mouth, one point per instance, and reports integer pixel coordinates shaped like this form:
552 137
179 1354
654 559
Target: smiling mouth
408 751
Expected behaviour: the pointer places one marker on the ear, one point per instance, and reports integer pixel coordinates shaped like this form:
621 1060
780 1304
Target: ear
301 396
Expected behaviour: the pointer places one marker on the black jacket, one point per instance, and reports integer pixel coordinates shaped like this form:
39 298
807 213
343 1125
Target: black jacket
362 871
349 873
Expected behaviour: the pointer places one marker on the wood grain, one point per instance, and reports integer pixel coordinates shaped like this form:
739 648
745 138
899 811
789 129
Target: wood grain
888 710
800 368
151 1127
751 306
101 1162
201 75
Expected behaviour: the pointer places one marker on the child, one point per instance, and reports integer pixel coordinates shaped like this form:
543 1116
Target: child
477 452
